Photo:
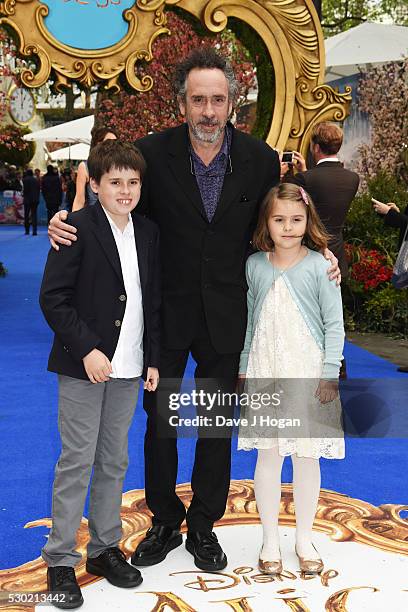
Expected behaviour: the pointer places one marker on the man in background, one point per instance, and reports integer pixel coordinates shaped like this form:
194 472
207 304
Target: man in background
330 185
31 198
52 191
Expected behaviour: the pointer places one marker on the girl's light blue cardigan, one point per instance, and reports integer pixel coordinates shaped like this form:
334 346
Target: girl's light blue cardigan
318 299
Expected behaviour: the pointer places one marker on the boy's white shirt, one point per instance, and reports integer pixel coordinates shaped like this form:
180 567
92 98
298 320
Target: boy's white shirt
127 361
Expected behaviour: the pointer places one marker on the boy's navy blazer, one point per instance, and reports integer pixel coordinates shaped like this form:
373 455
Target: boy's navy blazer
83 295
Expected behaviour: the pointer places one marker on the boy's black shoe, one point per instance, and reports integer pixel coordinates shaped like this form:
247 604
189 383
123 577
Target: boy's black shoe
62 579
158 542
208 554
112 565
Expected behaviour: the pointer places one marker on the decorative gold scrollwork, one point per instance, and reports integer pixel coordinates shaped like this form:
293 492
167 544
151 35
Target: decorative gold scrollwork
293 36
342 518
146 20
290 30
316 104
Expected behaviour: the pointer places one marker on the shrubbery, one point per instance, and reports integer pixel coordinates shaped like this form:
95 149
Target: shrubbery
13 149
371 302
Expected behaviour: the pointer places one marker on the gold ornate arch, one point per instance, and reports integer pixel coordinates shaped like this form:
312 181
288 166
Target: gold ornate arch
290 30
340 517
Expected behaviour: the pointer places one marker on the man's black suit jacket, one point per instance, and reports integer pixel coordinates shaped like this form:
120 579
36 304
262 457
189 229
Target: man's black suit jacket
332 189
51 189
83 295
203 262
31 190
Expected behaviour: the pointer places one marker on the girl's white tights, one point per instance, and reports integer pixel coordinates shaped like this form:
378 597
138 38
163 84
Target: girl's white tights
306 487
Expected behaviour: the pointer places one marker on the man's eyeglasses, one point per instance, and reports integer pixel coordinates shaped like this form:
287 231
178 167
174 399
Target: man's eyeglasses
216 101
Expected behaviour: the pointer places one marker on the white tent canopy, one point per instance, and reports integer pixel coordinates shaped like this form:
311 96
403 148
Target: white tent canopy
79 151
351 51
78 130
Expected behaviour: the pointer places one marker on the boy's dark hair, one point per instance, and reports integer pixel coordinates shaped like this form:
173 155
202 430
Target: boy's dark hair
114 154
98 134
204 57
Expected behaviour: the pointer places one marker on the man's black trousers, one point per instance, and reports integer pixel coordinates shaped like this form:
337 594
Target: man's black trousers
212 465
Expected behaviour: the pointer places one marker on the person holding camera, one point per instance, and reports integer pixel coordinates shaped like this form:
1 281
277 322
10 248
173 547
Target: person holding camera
331 186
393 217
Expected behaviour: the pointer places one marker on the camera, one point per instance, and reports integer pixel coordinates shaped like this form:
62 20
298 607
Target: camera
287 157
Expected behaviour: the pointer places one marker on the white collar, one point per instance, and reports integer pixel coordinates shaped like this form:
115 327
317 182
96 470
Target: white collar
129 230
329 159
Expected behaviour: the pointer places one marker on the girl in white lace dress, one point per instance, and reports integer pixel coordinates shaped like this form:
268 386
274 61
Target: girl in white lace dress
294 333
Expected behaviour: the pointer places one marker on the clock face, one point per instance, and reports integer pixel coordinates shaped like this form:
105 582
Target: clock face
21 105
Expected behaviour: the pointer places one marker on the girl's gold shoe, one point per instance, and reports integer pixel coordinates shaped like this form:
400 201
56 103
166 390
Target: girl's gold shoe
270 567
310 566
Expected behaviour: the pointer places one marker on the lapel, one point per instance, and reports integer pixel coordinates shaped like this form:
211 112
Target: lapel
142 249
234 181
103 233
180 165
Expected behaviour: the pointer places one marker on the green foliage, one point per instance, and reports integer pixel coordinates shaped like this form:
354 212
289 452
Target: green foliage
365 227
381 308
387 310
340 15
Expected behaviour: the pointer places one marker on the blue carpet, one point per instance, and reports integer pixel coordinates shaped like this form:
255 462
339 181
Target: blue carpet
374 469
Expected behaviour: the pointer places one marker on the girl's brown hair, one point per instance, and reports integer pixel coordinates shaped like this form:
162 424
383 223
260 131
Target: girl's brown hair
98 134
315 237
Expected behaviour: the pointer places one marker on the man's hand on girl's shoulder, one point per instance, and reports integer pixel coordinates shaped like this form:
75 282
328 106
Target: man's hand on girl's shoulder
333 271
60 232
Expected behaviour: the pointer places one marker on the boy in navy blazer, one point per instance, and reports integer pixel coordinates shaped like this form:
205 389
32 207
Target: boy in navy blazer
101 297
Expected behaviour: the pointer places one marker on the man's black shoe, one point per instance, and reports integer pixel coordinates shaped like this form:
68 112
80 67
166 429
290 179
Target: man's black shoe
403 369
208 554
158 542
112 565
61 580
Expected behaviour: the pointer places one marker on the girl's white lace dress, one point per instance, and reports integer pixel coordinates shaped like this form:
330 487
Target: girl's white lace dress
283 348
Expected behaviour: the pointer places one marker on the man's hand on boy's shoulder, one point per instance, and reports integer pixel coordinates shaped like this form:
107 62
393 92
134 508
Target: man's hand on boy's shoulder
97 366
152 379
60 232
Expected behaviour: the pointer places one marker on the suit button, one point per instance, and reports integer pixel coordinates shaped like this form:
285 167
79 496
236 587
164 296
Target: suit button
207 286
118 323
207 259
122 298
